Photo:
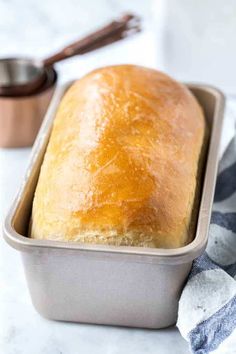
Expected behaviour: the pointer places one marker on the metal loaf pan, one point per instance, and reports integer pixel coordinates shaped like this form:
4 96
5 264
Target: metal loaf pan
125 286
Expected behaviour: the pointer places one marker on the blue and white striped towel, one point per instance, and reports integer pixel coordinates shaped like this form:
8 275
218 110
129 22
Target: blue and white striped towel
207 307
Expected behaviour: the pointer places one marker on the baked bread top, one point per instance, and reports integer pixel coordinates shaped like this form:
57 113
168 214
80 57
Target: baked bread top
122 161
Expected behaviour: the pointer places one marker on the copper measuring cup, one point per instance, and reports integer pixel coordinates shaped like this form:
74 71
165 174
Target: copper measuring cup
21 116
23 76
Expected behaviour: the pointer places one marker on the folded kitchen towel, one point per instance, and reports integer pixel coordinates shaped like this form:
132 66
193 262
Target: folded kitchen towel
207 307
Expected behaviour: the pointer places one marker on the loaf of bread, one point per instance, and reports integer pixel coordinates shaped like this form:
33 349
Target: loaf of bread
122 163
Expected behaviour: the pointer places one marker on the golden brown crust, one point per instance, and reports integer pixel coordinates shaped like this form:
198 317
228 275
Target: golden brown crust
122 161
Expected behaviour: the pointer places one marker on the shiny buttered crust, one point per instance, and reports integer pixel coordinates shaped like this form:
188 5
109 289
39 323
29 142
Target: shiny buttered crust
122 162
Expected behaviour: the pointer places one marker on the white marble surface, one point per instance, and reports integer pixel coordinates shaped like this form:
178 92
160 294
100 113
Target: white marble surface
38 28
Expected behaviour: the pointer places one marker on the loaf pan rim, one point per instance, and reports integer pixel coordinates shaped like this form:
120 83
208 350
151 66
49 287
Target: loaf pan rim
164 256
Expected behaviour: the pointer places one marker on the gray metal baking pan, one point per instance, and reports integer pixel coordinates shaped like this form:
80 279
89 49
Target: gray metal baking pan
125 286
